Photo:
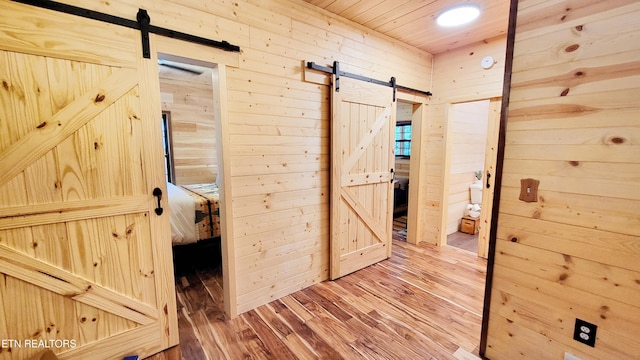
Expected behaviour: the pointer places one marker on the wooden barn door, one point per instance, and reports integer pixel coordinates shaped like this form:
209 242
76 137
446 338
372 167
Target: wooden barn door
362 141
85 261
489 178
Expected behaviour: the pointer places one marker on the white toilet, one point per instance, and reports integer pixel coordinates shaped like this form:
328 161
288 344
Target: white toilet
476 193
476 199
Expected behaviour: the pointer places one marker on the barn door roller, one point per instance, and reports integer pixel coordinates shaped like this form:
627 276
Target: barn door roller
143 21
143 24
337 72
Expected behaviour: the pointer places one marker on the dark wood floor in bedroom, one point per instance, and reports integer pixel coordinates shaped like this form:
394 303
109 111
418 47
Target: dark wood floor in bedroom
422 303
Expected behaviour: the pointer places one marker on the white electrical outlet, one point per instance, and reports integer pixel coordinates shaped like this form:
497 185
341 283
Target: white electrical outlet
570 356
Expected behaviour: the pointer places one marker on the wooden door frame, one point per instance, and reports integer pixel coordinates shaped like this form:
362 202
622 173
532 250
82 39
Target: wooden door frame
415 212
502 130
217 60
447 162
488 183
168 146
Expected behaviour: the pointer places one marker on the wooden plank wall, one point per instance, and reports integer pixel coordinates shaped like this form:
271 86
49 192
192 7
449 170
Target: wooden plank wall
467 137
574 125
279 125
457 77
402 168
189 98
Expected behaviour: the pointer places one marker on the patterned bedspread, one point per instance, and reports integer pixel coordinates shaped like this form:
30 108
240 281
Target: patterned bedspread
207 209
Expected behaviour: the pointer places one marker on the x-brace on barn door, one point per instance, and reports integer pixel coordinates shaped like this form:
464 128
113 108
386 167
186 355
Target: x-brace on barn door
362 139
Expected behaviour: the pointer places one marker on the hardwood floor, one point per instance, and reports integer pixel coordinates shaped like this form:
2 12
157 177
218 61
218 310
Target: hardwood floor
422 303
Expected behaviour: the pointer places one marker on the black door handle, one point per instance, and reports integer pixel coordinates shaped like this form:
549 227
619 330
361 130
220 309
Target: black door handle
488 177
157 192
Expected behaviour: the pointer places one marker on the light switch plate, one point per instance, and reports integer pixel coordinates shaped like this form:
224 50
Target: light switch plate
529 190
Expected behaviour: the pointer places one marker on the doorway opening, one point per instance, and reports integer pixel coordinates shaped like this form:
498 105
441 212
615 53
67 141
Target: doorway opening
408 209
402 151
472 135
190 137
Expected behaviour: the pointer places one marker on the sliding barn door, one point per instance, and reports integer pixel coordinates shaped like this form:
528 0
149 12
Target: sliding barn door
362 141
489 179
85 261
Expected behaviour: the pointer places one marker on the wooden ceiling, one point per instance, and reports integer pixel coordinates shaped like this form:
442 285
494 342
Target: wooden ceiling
414 21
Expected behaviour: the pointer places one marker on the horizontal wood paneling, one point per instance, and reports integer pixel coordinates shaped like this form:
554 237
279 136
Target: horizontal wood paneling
611 248
467 135
273 113
572 125
189 99
279 126
402 168
280 145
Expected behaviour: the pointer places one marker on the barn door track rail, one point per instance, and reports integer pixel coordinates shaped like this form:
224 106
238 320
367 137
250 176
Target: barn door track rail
338 73
143 24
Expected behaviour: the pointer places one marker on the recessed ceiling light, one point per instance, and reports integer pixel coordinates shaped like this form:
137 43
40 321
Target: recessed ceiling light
458 15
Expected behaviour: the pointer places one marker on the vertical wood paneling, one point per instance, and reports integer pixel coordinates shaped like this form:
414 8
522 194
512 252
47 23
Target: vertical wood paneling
413 21
34 85
52 245
573 125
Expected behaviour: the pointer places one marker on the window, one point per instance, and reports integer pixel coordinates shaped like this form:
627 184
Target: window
403 139
168 147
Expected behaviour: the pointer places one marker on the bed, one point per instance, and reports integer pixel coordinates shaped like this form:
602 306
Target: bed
193 212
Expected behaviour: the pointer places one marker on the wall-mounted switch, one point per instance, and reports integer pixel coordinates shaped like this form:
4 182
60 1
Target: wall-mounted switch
529 190
585 332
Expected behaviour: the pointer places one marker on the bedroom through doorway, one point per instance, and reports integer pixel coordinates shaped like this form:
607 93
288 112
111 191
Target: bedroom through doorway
402 151
192 169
